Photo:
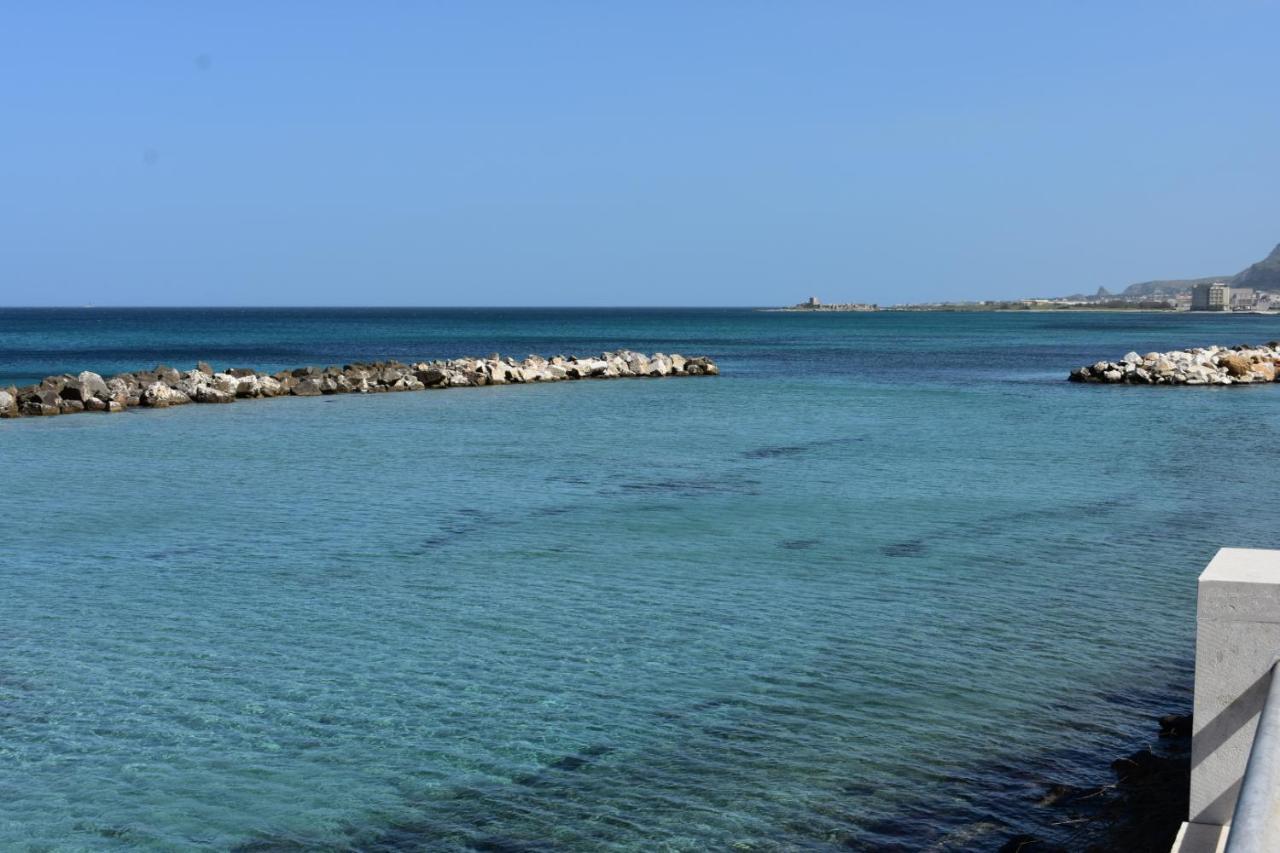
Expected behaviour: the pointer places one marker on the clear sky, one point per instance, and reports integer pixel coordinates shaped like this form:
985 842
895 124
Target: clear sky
630 153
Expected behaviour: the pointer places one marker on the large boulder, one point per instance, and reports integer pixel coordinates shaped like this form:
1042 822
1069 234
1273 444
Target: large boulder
431 376
703 366
269 386
225 382
158 395
212 394
192 383
84 387
308 387
8 405
1235 364
118 391
39 401
248 386
167 375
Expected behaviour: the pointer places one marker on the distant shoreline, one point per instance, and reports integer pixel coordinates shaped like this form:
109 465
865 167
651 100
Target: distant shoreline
993 310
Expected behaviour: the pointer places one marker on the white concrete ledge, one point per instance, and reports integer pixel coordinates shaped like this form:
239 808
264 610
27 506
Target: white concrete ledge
1237 644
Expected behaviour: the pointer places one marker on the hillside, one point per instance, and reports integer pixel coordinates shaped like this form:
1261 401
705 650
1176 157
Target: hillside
1172 285
1264 275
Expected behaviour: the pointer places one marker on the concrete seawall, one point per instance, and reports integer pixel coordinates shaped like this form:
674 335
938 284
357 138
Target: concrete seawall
165 386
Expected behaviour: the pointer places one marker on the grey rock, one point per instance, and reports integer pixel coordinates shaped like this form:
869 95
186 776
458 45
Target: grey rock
213 394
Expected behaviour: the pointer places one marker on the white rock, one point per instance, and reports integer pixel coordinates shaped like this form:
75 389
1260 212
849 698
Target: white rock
247 386
225 382
157 395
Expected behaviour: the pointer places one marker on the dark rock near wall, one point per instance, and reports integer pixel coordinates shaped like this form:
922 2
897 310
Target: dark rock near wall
1140 812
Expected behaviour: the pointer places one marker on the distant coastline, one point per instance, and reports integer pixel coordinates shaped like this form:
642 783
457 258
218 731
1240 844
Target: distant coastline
1026 306
976 307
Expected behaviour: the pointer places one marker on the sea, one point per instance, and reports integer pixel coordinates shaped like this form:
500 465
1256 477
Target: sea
877 586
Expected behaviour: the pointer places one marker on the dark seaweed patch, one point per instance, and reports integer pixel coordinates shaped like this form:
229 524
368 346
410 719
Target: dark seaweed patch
571 479
176 551
272 844
570 763
775 452
858 789
508 845
910 548
779 451
693 486
459 523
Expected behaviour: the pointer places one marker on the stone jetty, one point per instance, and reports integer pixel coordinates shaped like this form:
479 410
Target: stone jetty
166 386
1241 365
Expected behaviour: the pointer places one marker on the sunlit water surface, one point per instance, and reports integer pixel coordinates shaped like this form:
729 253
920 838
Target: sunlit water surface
873 588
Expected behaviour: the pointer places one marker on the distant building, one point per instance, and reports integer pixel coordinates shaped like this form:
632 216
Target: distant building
1211 297
813 302
1243 298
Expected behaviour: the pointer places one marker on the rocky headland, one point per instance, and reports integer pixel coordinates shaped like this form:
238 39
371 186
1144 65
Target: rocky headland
166 386
1240 365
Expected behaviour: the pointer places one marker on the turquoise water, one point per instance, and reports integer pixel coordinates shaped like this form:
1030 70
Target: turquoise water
872 588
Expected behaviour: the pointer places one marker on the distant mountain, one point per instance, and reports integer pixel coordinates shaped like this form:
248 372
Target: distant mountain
1168 285
1264 275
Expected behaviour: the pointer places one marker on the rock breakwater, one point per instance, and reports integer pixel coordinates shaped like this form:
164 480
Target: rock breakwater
166 386
1241 365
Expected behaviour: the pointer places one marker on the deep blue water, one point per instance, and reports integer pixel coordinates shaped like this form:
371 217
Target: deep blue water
874 587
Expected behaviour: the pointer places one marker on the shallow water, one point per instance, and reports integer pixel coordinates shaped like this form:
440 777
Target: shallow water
873 586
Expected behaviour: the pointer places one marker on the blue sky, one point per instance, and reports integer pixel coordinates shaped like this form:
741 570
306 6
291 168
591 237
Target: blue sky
629 153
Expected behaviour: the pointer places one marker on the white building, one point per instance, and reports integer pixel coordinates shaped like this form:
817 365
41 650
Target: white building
1243 298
